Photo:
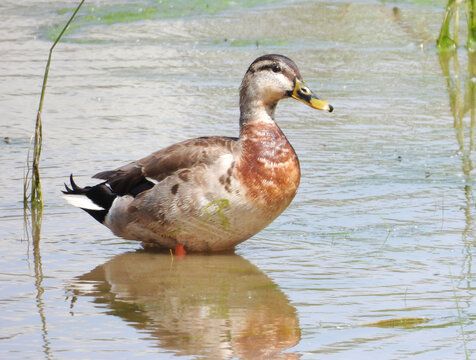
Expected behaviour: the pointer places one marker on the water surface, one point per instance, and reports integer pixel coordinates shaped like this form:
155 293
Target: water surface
382 226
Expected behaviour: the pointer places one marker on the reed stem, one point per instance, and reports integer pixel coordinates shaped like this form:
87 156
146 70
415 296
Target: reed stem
36 195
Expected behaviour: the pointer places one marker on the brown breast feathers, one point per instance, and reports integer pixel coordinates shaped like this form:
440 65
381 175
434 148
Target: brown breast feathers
268 167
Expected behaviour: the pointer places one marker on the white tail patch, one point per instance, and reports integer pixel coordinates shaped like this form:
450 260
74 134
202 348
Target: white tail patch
81 201
153 181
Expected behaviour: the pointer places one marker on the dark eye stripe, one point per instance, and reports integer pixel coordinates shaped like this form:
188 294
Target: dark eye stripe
268 67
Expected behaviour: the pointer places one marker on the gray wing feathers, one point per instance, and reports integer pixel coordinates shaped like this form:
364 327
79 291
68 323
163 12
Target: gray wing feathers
132 178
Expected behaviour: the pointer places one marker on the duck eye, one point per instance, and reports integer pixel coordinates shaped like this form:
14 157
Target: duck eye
276 68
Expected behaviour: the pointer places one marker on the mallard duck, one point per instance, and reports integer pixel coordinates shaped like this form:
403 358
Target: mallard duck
209 193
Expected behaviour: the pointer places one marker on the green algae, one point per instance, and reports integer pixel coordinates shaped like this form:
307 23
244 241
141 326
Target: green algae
146 10
250 42
438 3
213 210
407 322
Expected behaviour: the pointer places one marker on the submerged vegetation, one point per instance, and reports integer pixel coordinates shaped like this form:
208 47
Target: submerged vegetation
126 12
407 322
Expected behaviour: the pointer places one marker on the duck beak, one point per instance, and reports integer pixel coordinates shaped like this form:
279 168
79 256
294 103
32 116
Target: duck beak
302 93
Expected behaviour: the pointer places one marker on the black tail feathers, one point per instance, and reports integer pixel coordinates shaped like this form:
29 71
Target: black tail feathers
101 198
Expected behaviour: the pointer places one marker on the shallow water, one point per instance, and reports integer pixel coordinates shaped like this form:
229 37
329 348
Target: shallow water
382 227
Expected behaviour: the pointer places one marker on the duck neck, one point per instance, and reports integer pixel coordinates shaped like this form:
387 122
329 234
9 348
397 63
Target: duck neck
255 111
257 126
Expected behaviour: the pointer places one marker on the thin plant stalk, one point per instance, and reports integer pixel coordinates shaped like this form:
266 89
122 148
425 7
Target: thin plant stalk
36 195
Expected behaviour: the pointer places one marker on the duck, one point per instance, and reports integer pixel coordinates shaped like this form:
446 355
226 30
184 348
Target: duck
208 194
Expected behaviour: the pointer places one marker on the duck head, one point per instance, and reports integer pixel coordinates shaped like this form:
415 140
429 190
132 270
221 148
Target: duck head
269 79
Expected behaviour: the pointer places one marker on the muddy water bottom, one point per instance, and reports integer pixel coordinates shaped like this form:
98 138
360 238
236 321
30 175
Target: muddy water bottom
374 257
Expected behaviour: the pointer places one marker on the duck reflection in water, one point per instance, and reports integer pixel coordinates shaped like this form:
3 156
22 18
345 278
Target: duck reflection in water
219 306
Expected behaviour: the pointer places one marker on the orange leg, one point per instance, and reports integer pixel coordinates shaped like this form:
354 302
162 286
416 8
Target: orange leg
180 250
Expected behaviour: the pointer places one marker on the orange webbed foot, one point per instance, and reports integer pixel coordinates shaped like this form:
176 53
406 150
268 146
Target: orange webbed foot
180 250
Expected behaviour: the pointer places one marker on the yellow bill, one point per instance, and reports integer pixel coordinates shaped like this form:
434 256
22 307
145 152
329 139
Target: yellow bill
302 93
